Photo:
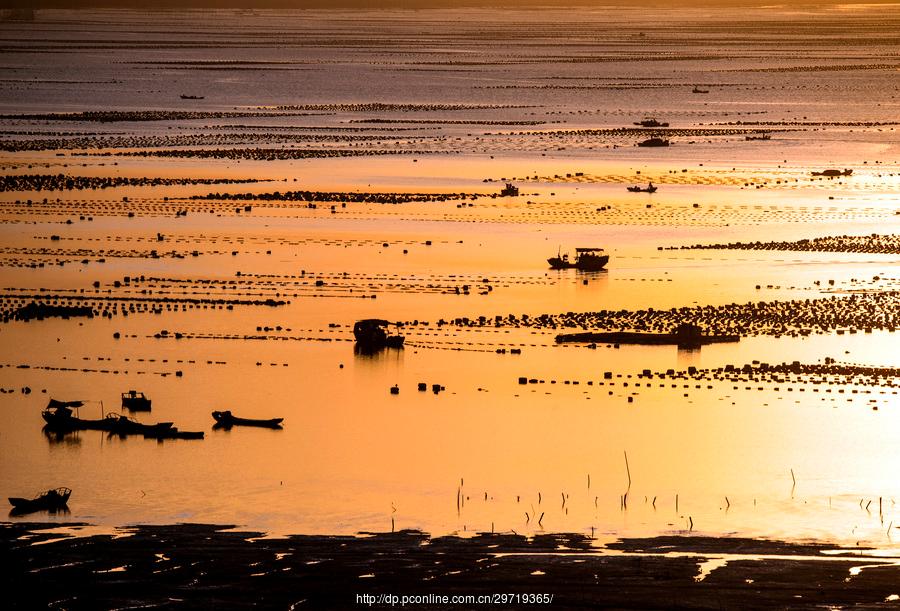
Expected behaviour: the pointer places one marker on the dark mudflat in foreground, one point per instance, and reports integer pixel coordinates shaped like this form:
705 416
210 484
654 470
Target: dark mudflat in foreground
191 566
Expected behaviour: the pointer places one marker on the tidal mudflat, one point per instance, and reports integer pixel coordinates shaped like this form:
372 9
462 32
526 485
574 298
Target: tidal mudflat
200 205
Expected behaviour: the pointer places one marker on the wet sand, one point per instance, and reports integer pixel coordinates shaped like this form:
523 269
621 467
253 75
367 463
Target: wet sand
194 565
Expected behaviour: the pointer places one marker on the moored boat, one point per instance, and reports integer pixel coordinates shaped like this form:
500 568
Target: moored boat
135 401
650 188
845 172
586 260
59 416
651 122
52 500
123 425
654 142
226 419
510 190
375 333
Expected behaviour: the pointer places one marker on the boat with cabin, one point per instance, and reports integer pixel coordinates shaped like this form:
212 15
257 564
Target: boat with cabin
135 401
64 416
377 333
586 260
650 122
510 190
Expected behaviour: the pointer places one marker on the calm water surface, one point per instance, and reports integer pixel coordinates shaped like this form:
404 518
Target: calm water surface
487 453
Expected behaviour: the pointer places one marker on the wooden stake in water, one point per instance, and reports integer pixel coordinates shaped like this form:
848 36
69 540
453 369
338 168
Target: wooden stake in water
628 472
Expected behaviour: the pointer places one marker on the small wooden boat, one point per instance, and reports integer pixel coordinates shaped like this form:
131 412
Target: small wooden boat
651 122
510 190
123 425
135 401
226 419
586 260
59 416
648 189
698 90
52 500
374 333
191 97
832 173
654 142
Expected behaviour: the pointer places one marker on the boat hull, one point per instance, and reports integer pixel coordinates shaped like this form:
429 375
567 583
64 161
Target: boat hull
226 420
52 500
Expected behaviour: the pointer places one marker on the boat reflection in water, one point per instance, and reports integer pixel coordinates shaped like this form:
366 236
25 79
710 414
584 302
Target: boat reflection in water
60 437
